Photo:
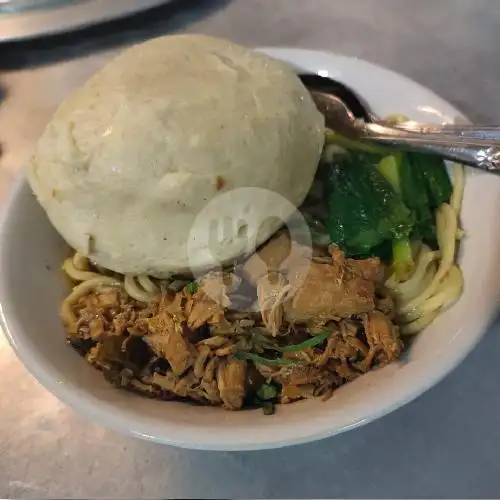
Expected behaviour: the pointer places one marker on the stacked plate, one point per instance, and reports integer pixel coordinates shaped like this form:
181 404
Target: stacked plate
20 5
22 19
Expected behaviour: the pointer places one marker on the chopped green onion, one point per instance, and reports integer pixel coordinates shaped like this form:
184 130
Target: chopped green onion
268 408
313 341
192 287
267 392
248 356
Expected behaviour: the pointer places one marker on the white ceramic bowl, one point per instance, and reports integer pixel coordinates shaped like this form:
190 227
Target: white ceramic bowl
32 286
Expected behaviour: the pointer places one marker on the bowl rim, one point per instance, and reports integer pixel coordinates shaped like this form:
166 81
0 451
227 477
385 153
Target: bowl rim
296 436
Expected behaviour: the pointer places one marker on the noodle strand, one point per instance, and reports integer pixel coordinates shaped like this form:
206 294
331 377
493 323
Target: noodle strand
81 290
135 291
147 283
77 273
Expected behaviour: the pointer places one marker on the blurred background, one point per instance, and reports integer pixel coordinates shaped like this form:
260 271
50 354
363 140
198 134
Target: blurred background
20 5
23 19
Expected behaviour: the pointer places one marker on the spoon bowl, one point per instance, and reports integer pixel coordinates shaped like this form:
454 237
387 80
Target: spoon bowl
318 85
347 114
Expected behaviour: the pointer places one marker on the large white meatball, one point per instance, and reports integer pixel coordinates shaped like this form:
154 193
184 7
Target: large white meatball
129 161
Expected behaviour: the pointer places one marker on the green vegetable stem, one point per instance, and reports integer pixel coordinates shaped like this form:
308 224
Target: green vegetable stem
408 182
435 177
424 185
248 356
307 344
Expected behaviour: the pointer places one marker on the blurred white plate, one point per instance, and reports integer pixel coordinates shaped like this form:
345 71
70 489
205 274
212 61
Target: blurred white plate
62 15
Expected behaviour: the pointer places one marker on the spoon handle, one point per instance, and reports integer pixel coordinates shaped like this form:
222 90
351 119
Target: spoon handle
460 143
478 152
427 134
484 132
487 159
480 157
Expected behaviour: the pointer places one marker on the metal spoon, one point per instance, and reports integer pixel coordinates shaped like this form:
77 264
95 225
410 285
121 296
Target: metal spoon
346 113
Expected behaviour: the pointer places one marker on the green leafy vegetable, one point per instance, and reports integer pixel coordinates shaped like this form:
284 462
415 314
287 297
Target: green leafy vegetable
249 356
408 180
409 184
437 180
381 211
384 251
267 392
415 196
424 184
365 211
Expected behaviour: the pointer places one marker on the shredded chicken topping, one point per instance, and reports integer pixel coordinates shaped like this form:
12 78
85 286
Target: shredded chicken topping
308 326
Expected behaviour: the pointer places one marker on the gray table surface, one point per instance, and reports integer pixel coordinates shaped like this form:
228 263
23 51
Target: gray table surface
445 444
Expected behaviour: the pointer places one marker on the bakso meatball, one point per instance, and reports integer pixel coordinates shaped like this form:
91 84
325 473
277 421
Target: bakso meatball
130 161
